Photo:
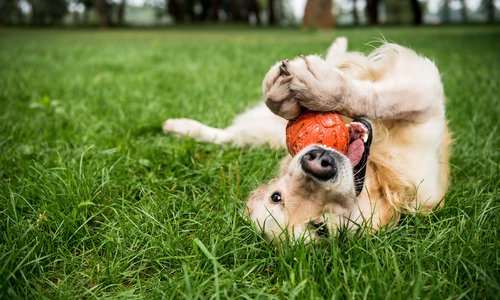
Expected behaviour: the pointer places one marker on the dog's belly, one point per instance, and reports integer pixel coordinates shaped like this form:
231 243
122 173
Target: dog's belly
415 150
260 126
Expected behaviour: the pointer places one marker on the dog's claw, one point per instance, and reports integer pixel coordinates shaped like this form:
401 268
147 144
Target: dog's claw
283 69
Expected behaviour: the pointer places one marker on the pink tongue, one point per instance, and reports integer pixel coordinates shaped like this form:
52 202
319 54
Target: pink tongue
355 151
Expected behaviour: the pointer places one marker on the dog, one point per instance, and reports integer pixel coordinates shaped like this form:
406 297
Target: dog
392 100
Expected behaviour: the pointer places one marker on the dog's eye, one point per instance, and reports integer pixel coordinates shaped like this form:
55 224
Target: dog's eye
276 197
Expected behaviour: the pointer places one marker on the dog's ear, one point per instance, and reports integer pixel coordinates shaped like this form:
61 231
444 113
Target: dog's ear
285 162
258 193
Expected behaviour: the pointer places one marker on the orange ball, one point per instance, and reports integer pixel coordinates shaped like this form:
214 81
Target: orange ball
324 128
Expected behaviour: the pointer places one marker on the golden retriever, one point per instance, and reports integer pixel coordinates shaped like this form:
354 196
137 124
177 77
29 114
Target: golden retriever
396 99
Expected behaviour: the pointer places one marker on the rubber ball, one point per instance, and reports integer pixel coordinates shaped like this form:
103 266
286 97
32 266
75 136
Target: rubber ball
324 128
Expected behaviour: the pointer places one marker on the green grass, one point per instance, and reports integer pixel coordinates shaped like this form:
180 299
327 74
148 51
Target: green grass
96 202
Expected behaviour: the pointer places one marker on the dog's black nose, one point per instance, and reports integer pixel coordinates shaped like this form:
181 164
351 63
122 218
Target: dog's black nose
320 163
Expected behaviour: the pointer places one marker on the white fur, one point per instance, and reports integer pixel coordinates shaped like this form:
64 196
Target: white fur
257 126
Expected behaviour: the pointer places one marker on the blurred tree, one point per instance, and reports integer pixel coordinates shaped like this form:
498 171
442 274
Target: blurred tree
10 12
120 13
194 10
372 11
174 7
403 12
489 6
253 8
214 9
271 10
463 11
104 12
396 11
242 10
235 10
47 12
318 14
88 5
417 12
355 16
446 11
189 7
279 11
209 10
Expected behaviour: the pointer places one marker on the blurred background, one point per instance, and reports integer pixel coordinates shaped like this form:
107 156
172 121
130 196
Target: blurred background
321 14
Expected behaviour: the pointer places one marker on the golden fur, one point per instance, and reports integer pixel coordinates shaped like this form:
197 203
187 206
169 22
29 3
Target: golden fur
400 93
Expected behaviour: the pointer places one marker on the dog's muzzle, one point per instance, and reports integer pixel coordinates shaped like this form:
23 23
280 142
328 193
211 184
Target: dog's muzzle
320 163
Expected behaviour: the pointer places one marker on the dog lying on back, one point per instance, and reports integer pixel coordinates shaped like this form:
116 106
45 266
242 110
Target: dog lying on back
399 96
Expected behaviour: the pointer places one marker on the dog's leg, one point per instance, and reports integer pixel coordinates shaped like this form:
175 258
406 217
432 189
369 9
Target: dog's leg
196 130
406 87
336 50
256 126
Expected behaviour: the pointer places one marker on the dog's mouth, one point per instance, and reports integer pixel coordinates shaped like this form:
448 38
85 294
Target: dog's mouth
320 228
324 164
360 133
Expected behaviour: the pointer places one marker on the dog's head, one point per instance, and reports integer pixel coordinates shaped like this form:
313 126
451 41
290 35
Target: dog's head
315 191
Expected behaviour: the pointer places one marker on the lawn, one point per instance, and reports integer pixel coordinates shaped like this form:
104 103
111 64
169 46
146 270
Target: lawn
96 202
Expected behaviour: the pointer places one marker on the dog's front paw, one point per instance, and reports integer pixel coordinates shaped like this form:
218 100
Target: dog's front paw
306 81
277 93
